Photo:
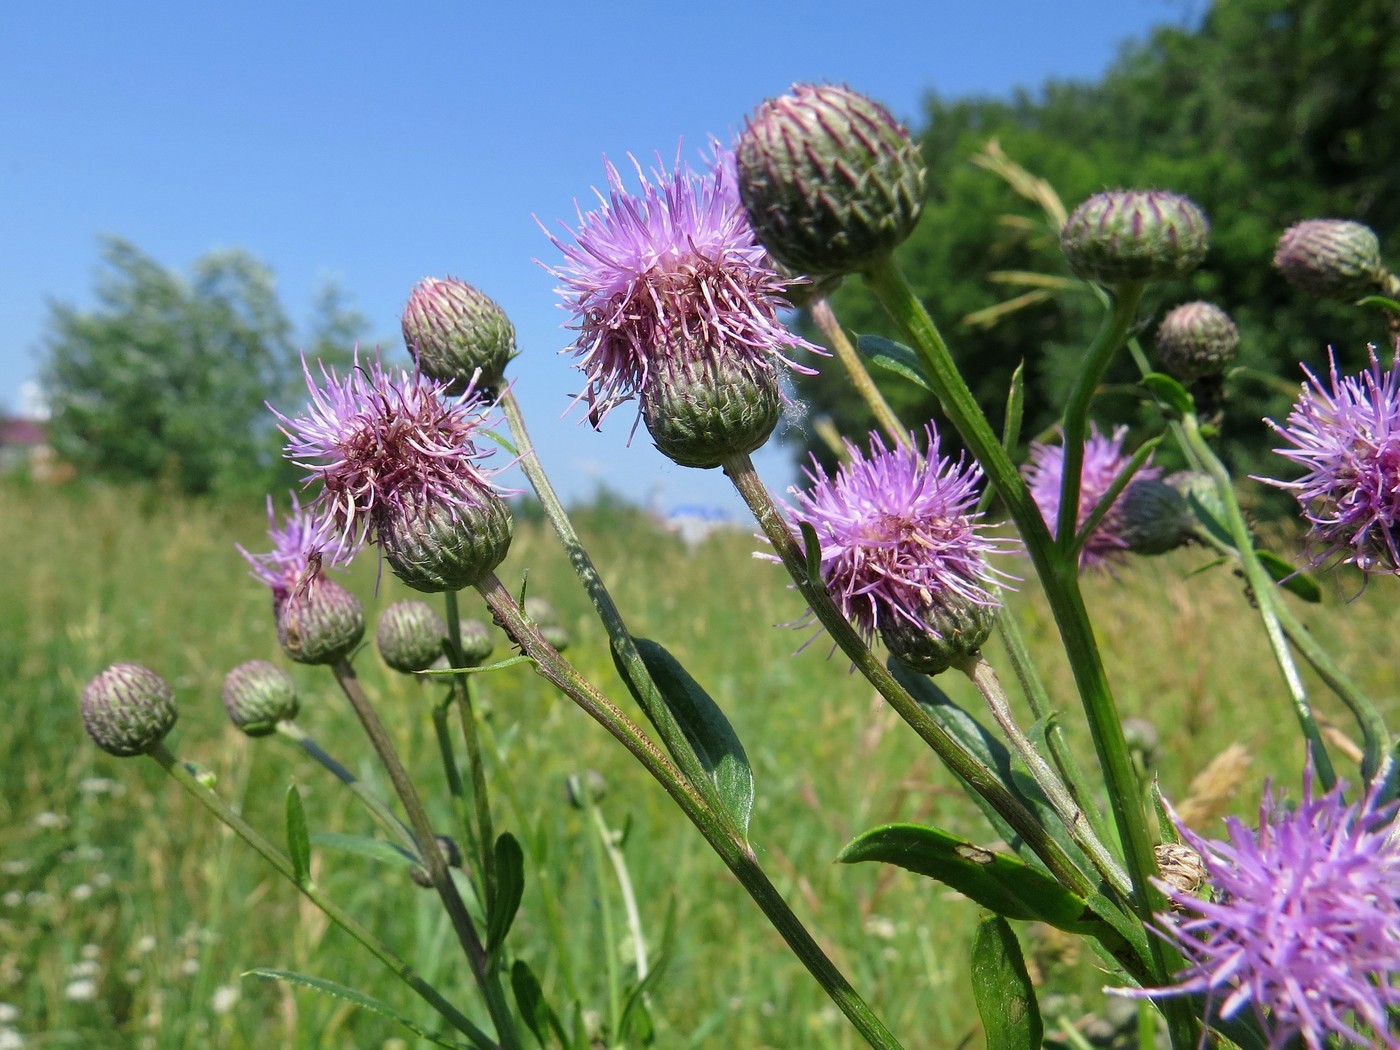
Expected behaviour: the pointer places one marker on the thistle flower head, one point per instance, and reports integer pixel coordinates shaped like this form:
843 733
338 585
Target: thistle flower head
1331 259
301 550
899 536
457 334
1304 924
1346 435
258 695
1104 460
674 270
128 709
1123 236
384 442
1195 341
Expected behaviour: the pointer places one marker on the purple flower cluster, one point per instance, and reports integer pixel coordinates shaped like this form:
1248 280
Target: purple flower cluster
301 550
1104 460
385 442
656 274
898 534
1304 926
1348 440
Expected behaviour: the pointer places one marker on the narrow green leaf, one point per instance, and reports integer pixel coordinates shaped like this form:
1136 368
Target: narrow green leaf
510 887
1290 579
812 553
508 662
1015 408
705 727
893 357
365 846
642 1029
1002 988
1384 302
539 1016
298 845
364 1002
999 883
1170 394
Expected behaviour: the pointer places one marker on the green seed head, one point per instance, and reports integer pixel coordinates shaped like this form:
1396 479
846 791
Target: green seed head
128 709
410 636
451 329
1132 236
257 695
1196 341
832 183
1331 259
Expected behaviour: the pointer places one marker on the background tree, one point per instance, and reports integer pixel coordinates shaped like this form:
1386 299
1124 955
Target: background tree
1269 112
168 378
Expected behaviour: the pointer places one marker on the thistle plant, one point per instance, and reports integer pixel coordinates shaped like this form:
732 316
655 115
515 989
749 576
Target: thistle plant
678 284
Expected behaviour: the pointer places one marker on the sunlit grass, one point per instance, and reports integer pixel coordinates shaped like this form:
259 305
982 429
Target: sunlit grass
127 916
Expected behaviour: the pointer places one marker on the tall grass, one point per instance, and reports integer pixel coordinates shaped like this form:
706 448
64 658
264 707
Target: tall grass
127 916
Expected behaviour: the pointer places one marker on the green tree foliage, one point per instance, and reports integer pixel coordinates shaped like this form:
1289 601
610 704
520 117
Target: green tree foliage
1268 112
168 377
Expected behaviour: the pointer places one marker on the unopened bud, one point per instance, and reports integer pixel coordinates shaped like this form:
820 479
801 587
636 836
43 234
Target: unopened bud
1331 259
1132 236
1153 517
954 629
452 330
476 642
831 181
702 406
257 695
435 545
410 636
128 709
320 622
1196 341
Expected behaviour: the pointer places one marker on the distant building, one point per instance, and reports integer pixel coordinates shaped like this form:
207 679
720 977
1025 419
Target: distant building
693 522
24 445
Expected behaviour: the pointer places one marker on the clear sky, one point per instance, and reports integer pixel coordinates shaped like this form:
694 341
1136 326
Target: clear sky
377 143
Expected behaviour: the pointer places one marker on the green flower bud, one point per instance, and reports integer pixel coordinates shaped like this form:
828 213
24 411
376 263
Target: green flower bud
320 623
701 406
1131 236
1196 341
1153 517
435 545
1201 496
452 330
1331 259
832 183
257 695
128 709
476 642
954 630
410 636
547 620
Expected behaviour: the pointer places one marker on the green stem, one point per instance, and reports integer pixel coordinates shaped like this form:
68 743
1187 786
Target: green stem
719 831
984 677
624 885
595 851
439 873
1060 578
279 860
480 862
860 376
462 691
377 807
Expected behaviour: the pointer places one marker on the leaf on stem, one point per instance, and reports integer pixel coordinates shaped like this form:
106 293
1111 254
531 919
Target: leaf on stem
705 726
1015 408
1170 394
365 846
1002 988
539 1016
298 844
1290 579
893 357
510 887
363 1001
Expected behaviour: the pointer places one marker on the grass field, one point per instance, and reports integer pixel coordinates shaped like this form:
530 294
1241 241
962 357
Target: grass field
127 916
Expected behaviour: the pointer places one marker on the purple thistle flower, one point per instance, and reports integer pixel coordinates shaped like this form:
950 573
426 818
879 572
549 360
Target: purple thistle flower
1304 926
386 443
1348 439
675 267
1104 460
300 550
898 534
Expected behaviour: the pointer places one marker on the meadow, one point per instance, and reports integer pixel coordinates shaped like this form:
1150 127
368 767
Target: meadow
127 915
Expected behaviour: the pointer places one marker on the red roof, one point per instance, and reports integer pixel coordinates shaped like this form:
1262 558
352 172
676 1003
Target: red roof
16 430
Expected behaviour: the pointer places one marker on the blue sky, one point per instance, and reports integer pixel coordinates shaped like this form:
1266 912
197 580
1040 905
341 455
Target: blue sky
373 144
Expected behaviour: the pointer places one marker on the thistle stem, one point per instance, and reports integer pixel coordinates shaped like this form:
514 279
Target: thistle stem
439 874
719 831
830 327
985 678
279 860
462 693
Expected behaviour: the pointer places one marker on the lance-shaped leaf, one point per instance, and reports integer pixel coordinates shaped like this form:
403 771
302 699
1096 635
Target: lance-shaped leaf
510 887
705 726
1002 988
365 846
298 844
893 357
